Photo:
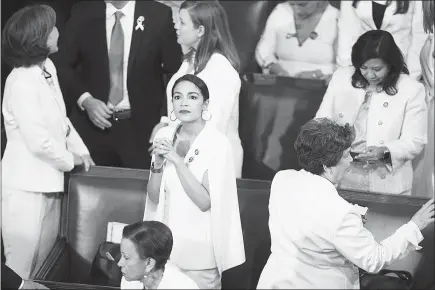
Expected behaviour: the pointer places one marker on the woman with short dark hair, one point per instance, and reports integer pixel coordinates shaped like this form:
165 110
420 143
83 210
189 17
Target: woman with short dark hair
388 110
318 238
145 250
42 143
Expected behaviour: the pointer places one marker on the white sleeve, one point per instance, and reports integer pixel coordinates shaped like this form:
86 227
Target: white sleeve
358 245
349 29
413 135
82 99
265 51
27 110
325 109
224 89
418 38
74 141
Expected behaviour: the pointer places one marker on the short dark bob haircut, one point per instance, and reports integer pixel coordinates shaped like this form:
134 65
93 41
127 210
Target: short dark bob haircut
25 35
152 239
321 142
197 81
378 44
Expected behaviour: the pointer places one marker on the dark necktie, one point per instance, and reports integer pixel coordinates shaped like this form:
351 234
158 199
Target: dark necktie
116 61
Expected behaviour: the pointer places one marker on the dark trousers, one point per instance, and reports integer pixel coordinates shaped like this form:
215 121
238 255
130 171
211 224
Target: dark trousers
118 146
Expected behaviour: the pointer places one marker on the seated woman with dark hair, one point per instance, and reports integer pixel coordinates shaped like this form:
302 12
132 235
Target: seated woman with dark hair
318 238
145 248
387 108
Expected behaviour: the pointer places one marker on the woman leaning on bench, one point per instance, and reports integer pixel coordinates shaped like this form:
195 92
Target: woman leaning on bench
42 143
192 189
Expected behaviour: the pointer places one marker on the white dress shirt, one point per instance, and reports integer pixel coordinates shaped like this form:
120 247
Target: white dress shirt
318 238
127 22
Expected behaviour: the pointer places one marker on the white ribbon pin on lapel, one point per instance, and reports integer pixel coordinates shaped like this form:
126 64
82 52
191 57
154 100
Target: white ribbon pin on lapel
139 22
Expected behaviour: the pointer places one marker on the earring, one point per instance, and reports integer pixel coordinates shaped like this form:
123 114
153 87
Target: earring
205 115
172 116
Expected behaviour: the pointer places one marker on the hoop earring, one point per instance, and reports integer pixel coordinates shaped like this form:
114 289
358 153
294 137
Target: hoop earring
172 116
205 115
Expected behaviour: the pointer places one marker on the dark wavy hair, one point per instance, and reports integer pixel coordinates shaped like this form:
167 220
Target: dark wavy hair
321 142
25 35
378 44
197 81
152 239
402 6
217 36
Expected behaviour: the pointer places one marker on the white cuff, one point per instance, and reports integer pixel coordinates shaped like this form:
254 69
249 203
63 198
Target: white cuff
165 120
21 285
413 234
82 99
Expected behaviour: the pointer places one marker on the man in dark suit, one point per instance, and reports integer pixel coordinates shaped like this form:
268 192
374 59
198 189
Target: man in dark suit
111 62
11 280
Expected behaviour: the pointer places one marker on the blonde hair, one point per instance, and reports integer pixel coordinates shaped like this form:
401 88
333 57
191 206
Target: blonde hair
428 16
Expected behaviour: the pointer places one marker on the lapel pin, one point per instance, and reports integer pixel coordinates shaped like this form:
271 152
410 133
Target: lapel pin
139 22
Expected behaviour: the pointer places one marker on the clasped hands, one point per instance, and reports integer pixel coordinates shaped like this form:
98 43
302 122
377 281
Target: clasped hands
371 155
163 149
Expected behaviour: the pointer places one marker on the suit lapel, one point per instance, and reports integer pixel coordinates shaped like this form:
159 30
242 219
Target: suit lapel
138 35
365 11
389 12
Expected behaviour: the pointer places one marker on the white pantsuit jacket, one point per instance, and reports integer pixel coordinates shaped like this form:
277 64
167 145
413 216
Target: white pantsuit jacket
40 138
407 30
319 240
398 122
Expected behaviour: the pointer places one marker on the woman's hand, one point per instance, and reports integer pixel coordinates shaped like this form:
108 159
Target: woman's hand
153 134
165 148
84 160
372 153
425 215
314 75
277 69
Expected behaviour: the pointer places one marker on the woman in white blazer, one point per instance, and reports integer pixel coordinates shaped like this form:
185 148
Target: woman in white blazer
192 189
203 33
318 238
299 40
403 19
387 108
42 143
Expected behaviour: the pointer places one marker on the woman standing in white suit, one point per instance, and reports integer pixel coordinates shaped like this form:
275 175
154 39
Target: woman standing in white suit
403 19
42 143
203 32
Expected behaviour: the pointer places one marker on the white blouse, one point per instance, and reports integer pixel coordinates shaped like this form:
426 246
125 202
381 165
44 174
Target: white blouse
276 45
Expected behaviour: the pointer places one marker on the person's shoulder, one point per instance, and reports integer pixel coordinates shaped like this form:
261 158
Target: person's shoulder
332 10
408 84
218 62
343 75
86 8
175 277
157 8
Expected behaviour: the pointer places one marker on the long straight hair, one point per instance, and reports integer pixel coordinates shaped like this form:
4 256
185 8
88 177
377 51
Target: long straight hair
428 16
402 6
217 36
